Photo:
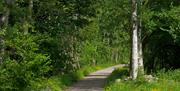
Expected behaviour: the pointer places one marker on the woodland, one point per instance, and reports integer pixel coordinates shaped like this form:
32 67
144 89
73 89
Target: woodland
46 45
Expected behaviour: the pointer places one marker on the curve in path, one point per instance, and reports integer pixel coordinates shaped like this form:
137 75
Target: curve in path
95 81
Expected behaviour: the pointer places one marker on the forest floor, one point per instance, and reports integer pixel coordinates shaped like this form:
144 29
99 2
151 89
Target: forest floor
94 81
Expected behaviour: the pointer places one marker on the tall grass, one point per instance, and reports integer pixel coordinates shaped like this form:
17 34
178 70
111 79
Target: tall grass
167 81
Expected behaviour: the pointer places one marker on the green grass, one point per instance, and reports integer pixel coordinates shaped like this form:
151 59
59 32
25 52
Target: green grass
60 82
167 81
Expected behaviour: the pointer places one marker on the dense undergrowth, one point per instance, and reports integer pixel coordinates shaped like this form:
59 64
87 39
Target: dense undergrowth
61 82
167 81
48 44
48 47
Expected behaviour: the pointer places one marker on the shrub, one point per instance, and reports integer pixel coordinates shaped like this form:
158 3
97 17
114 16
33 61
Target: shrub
23 65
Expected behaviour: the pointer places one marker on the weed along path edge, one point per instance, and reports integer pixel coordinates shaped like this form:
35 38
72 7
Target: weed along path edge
94 81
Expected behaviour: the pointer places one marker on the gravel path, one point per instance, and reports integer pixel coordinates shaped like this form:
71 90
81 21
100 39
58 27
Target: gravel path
95 81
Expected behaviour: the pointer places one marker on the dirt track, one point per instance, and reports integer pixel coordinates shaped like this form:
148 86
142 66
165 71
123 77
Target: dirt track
93 82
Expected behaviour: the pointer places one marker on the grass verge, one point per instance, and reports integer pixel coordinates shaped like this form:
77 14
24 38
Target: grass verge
60 82
167 81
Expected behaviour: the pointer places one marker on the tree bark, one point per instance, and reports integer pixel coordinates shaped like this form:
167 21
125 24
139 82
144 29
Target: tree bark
28 19
134 50
30 8
140 60
1 49
2 45
7 17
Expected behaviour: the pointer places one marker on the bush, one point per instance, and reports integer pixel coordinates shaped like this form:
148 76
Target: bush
23 65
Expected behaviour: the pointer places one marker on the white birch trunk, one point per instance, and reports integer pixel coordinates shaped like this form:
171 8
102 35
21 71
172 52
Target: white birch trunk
134 60
140 62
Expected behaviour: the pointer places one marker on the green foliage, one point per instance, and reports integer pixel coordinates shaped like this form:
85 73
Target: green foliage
59 82
160 35
64 37
144 86
170 75
23 64
117 73
167 81
72 38
114 30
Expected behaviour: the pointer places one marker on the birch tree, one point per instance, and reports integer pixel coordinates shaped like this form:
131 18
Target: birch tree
134 49
140 50
140 46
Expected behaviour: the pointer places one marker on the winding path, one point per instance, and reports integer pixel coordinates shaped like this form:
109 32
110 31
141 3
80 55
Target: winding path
95 81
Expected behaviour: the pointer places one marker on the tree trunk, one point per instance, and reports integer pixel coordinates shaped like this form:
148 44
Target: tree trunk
134 50
1 49
115 55
28 18
2 45
140 61
7 17
30 8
